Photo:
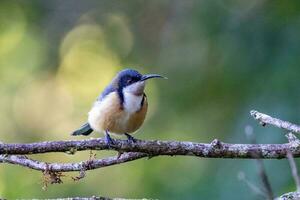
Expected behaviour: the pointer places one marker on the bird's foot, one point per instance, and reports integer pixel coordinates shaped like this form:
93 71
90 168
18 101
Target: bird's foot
108 140
130 138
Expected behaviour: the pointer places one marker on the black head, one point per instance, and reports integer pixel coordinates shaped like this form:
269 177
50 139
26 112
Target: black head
128 77
131 81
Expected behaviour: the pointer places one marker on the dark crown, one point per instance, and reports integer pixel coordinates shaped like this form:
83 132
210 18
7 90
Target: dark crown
127 77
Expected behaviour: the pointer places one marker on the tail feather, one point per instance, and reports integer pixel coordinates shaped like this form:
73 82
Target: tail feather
83 130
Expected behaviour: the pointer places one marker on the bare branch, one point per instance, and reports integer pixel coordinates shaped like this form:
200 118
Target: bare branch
261 168
89 198
266 119
154 148
264 179
86 198
129 151
294 141
289 196
67 167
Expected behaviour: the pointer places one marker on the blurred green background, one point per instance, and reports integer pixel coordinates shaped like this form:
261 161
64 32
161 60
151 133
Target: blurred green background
222 58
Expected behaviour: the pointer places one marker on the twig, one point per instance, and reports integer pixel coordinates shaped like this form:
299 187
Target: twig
67 167
293 140
261 169
89 198
266 119
289 196
85 198
264 179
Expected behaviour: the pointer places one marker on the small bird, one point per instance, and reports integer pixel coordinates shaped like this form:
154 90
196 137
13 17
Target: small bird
121 108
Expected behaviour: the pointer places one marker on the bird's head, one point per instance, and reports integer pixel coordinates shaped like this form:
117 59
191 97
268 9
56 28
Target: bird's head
131 81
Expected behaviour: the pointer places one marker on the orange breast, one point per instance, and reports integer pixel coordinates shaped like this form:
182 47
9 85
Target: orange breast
109 115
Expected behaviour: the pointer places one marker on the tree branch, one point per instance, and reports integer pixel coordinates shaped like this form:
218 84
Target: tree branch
68 167
128 151
266 119
293 139
85 198
216 149
261 168
289 196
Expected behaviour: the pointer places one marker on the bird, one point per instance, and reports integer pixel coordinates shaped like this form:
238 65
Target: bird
121 108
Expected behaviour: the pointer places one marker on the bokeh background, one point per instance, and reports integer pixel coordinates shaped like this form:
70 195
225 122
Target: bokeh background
222 58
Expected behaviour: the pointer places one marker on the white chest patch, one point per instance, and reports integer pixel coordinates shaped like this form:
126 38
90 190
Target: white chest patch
132 103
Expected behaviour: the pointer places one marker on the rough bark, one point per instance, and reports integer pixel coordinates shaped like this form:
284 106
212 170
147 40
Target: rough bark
215 149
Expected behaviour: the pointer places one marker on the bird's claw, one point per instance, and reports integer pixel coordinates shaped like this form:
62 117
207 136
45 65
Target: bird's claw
108 140
130 138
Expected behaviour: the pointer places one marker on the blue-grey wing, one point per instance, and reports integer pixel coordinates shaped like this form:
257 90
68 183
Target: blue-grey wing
105 92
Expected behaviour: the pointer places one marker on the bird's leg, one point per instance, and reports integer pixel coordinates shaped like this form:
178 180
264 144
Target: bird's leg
108 140
130 138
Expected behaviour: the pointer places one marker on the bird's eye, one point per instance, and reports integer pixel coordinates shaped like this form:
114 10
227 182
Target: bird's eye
129 81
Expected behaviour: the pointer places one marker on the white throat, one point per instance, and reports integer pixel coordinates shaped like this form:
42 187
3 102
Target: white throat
133 96
132 102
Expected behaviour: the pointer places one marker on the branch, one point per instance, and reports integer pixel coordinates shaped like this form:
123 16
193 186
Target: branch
266 119
68 167
293 139
129 151
289 196
261 168
87 198
216 149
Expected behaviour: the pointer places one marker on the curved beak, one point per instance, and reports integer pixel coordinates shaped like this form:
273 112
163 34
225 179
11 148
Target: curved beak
148 76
